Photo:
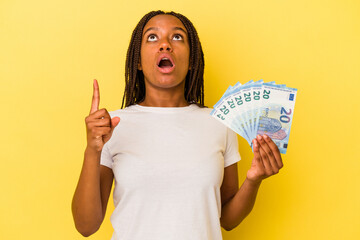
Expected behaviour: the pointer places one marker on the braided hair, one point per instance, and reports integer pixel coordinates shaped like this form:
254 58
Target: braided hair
134 79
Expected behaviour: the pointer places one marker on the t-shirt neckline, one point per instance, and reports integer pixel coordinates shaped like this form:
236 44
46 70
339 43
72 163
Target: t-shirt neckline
164 109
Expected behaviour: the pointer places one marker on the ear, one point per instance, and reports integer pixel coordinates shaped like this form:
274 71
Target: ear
139 66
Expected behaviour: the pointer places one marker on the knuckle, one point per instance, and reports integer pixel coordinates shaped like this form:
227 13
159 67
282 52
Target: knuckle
105 121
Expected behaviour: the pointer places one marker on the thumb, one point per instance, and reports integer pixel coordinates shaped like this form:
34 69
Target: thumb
114 122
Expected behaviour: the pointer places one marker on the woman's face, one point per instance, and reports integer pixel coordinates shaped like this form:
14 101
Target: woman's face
165 52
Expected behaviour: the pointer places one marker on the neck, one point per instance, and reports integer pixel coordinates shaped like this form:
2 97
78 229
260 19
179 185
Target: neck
164 101
162 97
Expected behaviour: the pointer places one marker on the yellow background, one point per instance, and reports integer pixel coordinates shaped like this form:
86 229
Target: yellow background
50 52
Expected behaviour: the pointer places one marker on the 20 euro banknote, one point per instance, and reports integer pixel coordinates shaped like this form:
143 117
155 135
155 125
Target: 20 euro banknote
258 108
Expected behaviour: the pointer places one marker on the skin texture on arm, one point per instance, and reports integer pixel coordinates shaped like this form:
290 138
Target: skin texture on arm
106 182
237 203
266 162
230 184
91 195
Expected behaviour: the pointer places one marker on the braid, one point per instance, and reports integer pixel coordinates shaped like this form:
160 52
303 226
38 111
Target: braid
134 78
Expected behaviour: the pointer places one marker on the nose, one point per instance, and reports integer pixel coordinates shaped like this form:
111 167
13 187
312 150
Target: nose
165 46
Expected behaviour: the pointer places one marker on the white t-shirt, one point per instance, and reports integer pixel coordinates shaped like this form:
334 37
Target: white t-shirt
168 166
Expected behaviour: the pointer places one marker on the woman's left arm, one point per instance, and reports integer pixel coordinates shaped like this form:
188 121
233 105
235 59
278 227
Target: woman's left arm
266 162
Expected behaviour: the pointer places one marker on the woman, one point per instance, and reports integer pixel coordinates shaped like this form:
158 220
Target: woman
174 166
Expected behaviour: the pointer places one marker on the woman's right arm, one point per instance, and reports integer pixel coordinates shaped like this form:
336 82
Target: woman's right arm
91 194
93 189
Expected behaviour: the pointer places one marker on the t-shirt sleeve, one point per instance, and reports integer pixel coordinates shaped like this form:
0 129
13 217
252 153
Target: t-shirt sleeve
106 158
231 154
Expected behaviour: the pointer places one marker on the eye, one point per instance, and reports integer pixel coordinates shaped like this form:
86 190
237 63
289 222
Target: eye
152 38
177 37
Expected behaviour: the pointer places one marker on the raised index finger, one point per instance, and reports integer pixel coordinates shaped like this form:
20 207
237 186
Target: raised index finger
96 98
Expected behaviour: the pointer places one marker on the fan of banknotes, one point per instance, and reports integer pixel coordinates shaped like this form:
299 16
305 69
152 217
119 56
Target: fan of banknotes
258 108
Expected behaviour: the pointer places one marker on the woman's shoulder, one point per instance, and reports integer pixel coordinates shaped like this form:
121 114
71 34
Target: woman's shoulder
205 115
204 110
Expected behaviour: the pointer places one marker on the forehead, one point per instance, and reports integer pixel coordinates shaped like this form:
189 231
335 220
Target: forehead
164 21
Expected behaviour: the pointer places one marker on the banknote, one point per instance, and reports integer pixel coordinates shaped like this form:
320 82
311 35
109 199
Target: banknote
258 108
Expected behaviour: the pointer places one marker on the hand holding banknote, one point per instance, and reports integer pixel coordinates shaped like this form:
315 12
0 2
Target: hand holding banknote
267 159
262 114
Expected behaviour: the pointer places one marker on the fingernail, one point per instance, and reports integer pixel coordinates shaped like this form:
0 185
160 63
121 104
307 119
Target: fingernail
266 136
258 137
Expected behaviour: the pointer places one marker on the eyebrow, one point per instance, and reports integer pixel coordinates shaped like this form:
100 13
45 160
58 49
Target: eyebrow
174 28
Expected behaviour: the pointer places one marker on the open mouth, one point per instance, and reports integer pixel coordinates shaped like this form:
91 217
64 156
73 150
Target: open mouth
165 63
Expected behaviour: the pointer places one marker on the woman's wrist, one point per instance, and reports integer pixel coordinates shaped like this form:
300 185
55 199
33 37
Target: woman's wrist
253 183
89 151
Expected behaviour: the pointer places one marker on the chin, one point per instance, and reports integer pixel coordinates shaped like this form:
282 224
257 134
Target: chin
167 82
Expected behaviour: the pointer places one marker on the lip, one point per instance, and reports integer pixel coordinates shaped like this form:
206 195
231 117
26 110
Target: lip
168 69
